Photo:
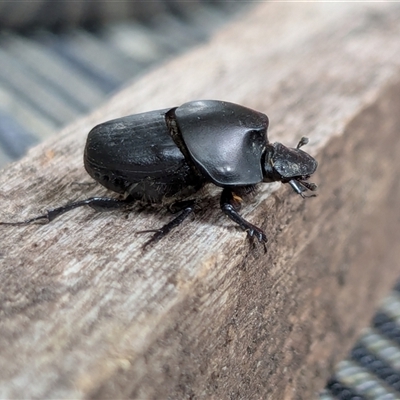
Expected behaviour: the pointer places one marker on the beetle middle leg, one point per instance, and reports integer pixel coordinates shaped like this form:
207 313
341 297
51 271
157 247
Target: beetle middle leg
185 207
228 205
97 203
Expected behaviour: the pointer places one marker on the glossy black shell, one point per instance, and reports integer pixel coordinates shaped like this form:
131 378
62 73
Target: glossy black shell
159 154
136 155
225 140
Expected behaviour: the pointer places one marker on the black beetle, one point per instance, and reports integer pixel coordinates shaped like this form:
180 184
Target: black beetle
167 155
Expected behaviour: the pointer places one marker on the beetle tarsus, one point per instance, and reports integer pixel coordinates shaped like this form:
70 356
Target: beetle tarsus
257 233
306 196
186 208
28 221
228 207
254 242
97 203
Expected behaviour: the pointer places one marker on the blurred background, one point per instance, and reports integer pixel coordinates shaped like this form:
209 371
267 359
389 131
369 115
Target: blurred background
61 59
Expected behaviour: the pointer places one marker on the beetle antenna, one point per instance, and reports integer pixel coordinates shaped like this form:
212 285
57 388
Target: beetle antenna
303 141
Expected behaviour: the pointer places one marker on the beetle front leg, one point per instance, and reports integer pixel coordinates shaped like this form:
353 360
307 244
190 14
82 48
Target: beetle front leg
301 186
228 203
97 203
186 208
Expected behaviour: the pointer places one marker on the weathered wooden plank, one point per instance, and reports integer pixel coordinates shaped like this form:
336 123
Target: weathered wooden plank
86 314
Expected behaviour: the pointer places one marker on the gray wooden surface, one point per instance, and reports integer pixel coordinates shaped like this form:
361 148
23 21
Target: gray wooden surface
86 314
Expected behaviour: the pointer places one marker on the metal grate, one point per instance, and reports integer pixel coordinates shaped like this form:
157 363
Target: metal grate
372 369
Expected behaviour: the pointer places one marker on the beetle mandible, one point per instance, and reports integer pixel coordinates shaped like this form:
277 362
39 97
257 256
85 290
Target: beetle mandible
165 156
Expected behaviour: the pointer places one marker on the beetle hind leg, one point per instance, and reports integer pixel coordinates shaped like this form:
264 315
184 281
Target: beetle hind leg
185 207
229 202
97 203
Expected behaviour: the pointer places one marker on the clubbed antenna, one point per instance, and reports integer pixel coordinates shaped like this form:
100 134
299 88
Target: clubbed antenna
303 141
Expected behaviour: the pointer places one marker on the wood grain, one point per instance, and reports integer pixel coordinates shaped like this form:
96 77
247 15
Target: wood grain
84 313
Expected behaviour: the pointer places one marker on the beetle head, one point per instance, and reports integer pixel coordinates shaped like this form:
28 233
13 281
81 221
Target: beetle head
289 165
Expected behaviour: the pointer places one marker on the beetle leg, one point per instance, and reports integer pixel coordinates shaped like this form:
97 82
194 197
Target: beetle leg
227 202
301 187
97 203
187 207
309 185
